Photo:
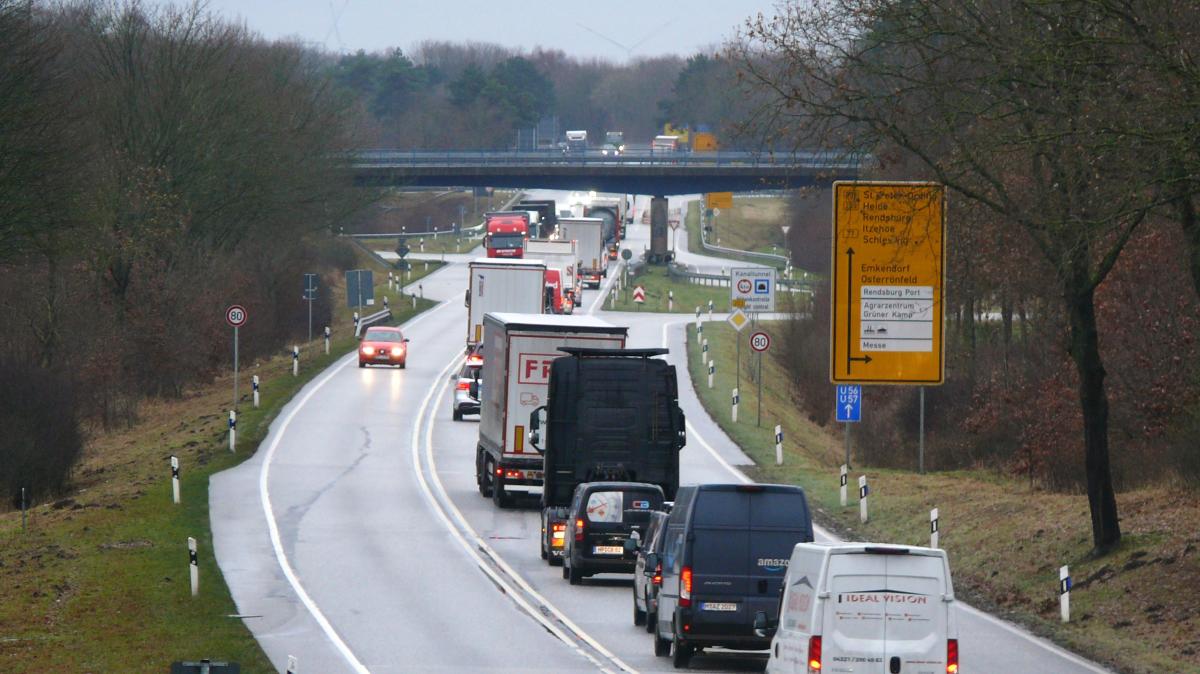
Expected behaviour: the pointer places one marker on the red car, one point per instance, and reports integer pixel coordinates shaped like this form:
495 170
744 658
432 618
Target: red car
383 346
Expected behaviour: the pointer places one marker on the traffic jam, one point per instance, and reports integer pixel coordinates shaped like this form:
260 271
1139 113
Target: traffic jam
578 425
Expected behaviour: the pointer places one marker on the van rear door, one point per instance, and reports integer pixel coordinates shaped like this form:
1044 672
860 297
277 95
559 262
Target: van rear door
885 607
778 521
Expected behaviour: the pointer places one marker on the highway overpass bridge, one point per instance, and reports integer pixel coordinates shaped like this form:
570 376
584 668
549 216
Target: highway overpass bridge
649 173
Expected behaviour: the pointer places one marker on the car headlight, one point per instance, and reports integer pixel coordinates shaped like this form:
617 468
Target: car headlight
368 350
397 350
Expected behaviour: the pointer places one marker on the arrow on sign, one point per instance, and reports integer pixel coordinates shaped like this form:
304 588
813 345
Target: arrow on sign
849 318
849 409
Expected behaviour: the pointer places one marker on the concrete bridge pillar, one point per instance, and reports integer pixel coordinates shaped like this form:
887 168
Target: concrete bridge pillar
659 252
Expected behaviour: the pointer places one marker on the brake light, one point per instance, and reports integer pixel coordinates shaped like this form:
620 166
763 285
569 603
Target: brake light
814 653
499 472
579 530
657 579
685 586
558 533
514 475
952 656
475 360
463 386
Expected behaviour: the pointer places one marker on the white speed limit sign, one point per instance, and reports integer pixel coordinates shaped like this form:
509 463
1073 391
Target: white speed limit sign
235 315
760 341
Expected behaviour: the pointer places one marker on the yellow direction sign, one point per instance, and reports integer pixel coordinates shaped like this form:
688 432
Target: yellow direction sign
718 200
888 277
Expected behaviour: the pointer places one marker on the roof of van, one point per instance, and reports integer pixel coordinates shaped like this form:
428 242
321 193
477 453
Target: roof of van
566 323
753 487
875 548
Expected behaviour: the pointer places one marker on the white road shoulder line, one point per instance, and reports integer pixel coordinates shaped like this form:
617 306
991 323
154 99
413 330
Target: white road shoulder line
264 495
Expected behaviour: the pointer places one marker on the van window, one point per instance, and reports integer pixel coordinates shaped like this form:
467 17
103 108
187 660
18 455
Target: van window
784 510
721 509
615 507
605 506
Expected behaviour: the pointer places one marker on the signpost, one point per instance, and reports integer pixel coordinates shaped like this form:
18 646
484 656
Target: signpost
760 342
360 288
235 316
888 278
639 296
752 288
310 296
849 409
718 200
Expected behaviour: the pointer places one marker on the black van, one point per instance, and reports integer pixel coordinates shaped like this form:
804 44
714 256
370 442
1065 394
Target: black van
601 518
724 559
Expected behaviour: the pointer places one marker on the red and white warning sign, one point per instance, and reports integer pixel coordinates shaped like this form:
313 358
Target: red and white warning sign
639 294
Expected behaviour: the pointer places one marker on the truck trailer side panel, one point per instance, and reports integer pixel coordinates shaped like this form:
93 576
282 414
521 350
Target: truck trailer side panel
503 285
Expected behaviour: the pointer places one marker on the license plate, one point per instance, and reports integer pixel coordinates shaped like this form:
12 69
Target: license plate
718 606
382 356
607 550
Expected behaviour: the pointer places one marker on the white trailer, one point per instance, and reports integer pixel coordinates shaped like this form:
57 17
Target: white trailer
593 257
560 254
514 380
498 284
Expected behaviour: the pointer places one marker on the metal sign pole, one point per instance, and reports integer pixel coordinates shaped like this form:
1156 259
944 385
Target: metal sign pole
848 444
235 366
921 444
760 389
310 319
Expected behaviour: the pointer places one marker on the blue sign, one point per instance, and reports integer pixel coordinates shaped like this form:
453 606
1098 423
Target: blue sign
849 402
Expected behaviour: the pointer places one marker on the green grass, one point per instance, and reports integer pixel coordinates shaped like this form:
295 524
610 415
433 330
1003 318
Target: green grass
657 284
444 243
99 581
752 224
1005 540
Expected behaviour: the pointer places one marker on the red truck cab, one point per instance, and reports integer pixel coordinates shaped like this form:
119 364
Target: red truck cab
506 235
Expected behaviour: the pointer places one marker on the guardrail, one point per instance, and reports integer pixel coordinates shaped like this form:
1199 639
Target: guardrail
368 321
463 230
832 160
777 260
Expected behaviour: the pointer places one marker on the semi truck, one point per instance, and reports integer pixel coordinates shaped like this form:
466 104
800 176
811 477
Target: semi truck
507 232
610 209
609 415
588 233
577 141
518 351
560 254
495 284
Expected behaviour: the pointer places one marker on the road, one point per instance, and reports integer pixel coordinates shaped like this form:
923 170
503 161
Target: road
355 539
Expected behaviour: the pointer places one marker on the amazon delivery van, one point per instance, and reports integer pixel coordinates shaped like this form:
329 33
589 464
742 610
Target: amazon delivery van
865 608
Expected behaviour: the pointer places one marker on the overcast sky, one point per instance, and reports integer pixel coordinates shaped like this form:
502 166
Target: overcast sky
585 29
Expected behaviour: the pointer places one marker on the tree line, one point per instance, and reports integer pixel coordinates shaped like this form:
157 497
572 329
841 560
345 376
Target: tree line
156 165
1066 133
443 95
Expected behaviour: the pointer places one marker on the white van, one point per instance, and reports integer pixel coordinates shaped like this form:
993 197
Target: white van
864 608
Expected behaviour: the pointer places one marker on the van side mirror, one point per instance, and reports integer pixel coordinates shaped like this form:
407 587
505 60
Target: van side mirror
762 625
536 421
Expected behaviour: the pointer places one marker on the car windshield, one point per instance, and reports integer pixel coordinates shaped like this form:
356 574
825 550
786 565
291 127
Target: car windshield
383 336
507 241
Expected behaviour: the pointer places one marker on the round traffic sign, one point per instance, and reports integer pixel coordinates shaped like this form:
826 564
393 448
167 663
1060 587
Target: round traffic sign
760 341
235 315
744 285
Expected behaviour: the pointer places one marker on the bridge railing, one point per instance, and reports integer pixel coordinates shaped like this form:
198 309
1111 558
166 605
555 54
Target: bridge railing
383 158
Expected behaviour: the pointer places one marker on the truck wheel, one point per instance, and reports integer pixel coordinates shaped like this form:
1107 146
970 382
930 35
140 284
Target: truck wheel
485 479
566 571
662 647
457 415
501 499
681 654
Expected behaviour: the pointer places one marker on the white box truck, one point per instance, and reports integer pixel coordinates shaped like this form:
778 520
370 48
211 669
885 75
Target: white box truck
515 380
593 257
864 607
498 284
559 254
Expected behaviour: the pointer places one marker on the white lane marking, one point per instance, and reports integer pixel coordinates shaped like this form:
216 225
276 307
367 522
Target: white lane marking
601 293
440 508
264 496
828 535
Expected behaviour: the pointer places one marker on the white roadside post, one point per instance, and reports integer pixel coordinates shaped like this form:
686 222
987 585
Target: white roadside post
697 318
670 300
327 340
254 385
293 665
175 478
700 334
712 369
933 528
414 300
1064 592
735 404
385 303
295 360
704 349
778 445
844 480
356 321
390 280
862 498
710 309
232 431
193 566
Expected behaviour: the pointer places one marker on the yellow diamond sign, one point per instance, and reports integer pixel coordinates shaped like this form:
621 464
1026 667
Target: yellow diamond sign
738 319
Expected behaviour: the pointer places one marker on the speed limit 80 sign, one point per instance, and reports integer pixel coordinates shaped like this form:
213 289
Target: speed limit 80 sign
760 341
235 315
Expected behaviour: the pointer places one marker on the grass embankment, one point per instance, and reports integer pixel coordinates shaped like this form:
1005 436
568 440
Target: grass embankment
657 284
752 224
99 580
443 243
1135 608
